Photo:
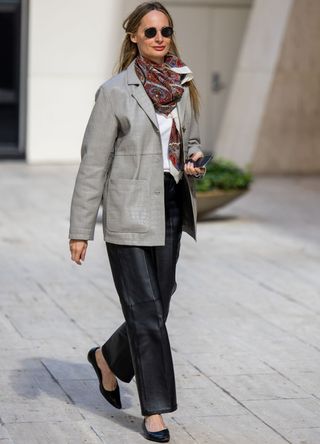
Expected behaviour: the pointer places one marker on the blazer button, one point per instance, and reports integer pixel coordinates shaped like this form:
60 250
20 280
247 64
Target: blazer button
184 129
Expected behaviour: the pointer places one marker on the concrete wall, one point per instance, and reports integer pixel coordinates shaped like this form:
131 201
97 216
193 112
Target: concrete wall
73 46
272 118
253 80
289 138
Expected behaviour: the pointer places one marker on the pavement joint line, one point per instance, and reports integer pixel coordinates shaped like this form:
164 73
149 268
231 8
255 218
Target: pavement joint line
293 271
281 398
303 428
115 303
96 433
241 404
284 295
72 320
283 265
283 330
184 428
223 415
13 325
269 288
42 288
63 390
66 313
290 380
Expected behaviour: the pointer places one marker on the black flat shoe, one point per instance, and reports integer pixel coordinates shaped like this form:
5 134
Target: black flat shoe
112 396
161 436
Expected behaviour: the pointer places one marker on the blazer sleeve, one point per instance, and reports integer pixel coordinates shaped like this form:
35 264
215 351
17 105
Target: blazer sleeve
96 156
194 143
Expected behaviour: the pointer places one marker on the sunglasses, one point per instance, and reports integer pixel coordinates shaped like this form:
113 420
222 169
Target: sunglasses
167 31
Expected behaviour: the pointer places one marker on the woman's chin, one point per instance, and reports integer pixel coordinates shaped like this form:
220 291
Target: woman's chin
157 56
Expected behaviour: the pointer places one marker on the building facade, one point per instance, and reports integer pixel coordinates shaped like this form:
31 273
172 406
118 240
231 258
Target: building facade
255 62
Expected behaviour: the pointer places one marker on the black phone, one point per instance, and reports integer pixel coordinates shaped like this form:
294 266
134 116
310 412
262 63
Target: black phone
202 162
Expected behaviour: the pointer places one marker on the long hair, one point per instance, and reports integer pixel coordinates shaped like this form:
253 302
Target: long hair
129 50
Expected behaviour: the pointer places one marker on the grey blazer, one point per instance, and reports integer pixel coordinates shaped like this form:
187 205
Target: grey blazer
121 165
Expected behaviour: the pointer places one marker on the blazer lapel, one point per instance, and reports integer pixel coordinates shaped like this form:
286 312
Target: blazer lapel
140 94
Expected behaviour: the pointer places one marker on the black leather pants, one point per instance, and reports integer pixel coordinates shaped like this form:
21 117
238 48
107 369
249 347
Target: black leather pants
145 281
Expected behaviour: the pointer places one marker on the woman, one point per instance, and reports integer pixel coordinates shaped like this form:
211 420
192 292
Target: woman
137 157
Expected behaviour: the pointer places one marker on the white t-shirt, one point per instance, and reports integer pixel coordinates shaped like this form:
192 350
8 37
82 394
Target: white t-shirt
165 125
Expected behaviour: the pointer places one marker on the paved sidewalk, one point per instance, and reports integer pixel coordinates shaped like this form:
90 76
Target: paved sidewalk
244 322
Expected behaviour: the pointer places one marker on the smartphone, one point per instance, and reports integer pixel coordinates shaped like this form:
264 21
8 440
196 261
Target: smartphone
202 162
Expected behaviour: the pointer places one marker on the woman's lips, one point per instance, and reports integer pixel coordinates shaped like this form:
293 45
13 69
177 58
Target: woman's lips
159 48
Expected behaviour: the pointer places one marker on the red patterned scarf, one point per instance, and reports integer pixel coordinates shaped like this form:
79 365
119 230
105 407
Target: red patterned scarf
163 86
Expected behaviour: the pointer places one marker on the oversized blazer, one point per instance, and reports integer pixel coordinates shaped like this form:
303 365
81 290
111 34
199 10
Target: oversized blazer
122 166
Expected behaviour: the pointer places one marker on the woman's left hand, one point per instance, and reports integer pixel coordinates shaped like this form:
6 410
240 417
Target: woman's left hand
190 169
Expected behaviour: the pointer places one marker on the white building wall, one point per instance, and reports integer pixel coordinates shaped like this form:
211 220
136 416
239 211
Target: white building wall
73 46
253 80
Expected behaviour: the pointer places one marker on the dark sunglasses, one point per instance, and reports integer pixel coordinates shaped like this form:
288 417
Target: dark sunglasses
167 31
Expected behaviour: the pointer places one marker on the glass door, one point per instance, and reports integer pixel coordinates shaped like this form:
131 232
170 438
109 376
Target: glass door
12 85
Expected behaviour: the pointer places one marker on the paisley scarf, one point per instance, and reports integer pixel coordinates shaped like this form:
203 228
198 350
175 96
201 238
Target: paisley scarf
164 88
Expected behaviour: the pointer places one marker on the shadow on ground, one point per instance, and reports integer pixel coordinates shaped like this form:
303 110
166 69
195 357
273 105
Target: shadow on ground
71 383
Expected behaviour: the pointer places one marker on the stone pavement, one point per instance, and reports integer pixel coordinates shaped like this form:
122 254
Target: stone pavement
244 322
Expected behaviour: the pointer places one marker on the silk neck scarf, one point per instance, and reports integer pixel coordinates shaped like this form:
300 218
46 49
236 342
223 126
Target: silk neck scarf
164 88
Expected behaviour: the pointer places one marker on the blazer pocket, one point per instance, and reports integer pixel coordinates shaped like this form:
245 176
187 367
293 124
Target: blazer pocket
128 207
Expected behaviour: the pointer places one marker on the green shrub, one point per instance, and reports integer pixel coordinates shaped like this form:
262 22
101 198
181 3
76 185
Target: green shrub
224 175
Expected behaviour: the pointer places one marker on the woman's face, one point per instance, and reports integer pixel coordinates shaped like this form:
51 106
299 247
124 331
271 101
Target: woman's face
157 47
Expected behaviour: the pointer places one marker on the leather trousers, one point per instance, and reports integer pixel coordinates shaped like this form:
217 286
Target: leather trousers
145 281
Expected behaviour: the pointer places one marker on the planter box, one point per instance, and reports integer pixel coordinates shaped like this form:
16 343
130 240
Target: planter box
211 200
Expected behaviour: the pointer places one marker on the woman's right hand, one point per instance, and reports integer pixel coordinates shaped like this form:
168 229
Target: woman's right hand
78 250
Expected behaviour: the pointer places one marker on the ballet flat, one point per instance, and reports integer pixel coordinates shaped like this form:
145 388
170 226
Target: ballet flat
112 396
160 436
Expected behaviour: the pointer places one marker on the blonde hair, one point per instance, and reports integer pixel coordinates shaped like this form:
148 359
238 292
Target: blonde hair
129 50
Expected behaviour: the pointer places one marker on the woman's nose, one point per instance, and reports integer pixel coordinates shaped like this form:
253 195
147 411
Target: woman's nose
159 37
